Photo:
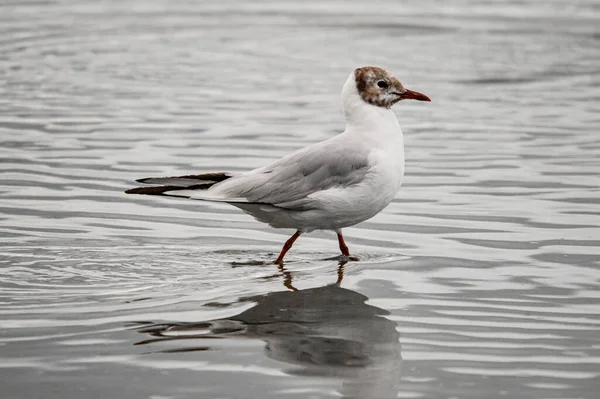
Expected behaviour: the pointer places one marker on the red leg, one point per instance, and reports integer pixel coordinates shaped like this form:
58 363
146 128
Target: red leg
286 247
343 246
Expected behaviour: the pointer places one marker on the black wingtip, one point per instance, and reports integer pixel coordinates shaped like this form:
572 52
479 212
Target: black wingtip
160 190
156 190
144 180
137 190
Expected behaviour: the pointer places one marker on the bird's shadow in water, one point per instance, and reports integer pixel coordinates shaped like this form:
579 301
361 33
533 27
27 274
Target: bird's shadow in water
342 259
325 331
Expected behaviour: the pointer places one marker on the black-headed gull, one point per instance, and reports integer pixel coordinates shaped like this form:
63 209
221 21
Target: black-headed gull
330 185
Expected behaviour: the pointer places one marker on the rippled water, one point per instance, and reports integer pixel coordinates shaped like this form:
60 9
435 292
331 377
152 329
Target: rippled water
481 280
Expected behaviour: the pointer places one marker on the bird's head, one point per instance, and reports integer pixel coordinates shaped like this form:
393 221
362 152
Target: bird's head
378 87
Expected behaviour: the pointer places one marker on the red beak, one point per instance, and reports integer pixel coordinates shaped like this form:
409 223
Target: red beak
413 95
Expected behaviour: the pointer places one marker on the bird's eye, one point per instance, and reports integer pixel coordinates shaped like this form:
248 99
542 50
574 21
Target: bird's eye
383 84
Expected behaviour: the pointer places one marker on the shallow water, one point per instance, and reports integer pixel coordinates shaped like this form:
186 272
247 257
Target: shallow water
481 280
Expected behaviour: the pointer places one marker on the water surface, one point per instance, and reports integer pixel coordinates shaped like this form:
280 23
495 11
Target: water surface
481 280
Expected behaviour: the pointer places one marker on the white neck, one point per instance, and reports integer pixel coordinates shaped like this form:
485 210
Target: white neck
364 117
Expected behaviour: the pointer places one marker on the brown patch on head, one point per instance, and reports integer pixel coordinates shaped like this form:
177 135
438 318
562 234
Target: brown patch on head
378 87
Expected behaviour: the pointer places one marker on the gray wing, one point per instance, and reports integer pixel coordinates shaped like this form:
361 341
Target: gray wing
290 181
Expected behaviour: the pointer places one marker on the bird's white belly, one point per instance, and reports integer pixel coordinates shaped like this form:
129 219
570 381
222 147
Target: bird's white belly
347 206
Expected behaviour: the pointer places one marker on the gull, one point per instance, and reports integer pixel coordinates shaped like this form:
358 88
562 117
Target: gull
330 185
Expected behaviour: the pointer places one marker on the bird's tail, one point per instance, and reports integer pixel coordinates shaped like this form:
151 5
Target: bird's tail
189 182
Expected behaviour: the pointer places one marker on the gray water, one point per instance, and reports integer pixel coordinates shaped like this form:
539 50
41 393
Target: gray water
481 280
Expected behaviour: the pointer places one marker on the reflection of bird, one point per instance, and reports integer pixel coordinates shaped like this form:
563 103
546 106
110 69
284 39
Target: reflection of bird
337 183
327 331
